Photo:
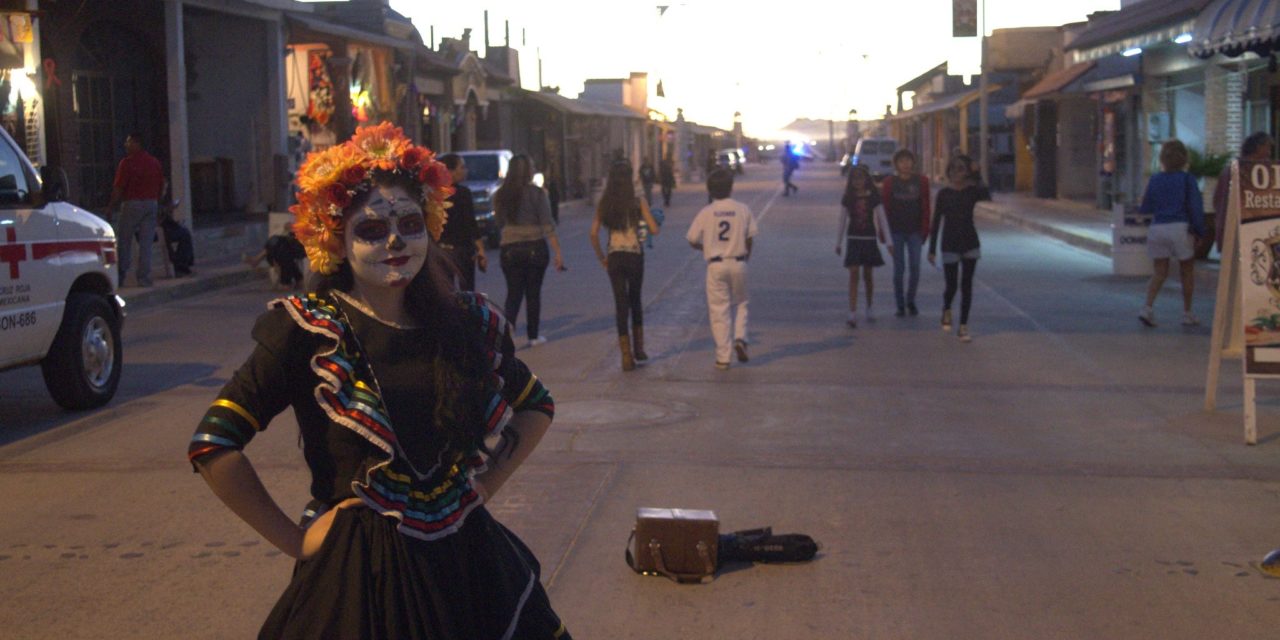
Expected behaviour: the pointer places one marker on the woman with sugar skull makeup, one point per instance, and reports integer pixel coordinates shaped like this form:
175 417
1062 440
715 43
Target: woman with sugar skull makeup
399 384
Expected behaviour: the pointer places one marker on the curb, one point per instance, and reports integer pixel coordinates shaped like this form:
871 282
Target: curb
141 299
1094 245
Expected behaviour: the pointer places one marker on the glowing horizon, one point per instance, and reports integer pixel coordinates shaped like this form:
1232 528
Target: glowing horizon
714 57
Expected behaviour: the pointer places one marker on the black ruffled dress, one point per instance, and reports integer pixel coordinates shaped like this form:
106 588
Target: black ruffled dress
425 560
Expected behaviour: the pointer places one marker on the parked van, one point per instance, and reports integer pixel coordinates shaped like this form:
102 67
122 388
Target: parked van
876 154
58 302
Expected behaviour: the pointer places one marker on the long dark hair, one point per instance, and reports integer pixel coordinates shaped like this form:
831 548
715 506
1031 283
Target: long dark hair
459 363
851 196
506 201
619 208
962 162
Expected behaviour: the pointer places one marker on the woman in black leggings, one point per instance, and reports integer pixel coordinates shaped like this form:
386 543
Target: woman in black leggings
622 213
527 244
960 247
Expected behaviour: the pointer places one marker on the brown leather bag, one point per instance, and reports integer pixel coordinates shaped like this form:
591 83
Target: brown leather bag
681 544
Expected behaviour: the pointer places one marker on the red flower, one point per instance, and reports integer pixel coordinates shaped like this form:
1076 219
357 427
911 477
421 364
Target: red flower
436 175
414 158
338 195
353 176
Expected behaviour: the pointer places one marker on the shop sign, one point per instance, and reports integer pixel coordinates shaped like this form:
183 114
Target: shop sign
964 18
1260 289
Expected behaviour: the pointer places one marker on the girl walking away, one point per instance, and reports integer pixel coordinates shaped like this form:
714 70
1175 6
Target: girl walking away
396 380
528 231
953 219
621 212
905 196
859 231
1174 201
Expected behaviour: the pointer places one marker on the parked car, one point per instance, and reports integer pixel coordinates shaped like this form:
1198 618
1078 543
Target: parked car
485 171
731 159
58 302
876 154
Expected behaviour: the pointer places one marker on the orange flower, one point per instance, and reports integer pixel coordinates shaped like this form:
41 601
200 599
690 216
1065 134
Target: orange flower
382 145
436 217
322 261
324 167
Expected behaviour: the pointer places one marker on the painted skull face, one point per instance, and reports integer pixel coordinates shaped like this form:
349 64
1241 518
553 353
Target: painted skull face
386 239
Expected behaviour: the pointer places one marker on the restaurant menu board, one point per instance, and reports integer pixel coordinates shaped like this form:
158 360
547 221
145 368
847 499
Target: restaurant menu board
1259 202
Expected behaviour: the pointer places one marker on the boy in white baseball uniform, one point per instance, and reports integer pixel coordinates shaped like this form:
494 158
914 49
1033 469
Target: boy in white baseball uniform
723 231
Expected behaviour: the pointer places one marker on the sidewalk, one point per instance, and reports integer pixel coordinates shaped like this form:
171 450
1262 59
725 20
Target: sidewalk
228 269
1075 223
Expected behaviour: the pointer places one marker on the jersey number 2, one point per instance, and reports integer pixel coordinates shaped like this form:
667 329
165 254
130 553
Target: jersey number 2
724 231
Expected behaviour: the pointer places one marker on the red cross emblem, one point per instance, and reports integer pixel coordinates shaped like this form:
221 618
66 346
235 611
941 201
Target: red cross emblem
12 252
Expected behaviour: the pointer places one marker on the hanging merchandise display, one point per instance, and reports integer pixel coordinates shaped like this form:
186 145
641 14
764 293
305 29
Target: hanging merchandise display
320 93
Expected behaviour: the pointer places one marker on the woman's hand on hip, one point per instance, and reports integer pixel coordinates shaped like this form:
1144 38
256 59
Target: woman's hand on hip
317 530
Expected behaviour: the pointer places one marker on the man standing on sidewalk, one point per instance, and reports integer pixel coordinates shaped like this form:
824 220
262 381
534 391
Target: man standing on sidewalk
139 181
461 238
667 178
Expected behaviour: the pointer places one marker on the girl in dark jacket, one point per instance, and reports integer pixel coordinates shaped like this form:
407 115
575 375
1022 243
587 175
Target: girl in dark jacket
953 220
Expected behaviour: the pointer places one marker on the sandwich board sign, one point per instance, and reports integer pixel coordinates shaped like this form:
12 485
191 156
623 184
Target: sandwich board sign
1246 317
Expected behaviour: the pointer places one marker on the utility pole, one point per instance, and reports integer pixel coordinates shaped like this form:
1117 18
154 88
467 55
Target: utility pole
831 140
984 161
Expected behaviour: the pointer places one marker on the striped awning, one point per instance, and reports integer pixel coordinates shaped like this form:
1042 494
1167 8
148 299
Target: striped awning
1235 27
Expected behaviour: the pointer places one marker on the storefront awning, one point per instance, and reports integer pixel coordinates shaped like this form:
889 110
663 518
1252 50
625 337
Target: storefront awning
1141 24
941 104
1015 110
1235 27
328 28
580 107
973 96
1055 81
1108 74
429 86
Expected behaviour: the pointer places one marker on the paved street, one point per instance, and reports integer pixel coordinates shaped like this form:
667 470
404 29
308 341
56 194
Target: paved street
1055 478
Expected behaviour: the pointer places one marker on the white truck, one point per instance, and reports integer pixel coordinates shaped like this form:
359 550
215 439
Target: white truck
58 302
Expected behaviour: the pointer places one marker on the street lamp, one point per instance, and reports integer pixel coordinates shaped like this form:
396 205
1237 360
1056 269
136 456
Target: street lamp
850 123
737 129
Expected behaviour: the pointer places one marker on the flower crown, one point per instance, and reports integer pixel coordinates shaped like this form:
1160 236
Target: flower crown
329 180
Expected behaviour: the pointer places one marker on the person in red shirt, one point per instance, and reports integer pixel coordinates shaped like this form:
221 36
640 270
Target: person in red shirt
905 196
138 184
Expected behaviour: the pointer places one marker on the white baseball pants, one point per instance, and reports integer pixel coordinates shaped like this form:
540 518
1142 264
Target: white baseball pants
727 285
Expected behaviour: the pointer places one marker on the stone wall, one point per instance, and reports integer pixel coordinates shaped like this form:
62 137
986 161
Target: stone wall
1224 109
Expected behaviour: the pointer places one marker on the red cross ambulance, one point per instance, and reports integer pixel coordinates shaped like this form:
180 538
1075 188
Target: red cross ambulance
58 302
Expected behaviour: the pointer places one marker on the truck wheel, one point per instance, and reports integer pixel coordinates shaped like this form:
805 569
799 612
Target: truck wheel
82 369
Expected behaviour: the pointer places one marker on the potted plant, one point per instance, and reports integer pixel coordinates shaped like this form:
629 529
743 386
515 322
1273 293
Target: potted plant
1206 167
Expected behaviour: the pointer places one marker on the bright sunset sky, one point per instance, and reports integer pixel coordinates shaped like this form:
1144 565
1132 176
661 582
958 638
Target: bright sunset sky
773 61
